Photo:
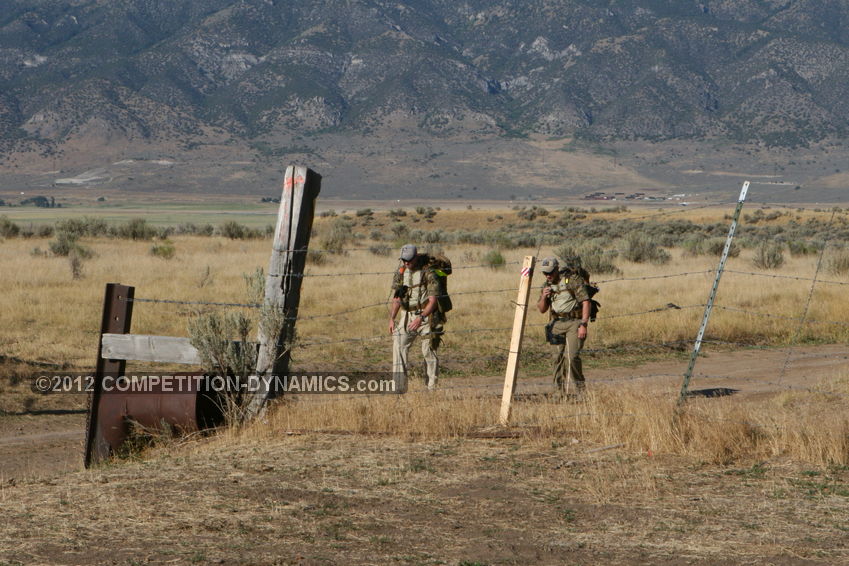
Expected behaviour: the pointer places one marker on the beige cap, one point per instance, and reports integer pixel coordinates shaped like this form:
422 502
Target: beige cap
549 265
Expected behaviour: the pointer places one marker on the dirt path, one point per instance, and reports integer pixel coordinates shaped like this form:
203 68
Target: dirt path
40 444
46 443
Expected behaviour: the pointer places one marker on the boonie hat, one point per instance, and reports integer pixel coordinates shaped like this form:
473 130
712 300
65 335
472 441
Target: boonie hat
549 265
408 252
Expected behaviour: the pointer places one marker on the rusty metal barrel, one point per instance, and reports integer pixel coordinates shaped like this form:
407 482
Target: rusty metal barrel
121 412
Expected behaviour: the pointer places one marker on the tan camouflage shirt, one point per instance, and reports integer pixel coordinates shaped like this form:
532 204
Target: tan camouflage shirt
568 294
420 284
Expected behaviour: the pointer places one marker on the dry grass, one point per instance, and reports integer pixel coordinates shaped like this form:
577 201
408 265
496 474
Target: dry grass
49 316
42 301
802 426
328 499
624 477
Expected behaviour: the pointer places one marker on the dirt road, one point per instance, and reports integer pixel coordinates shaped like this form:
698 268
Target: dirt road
47 442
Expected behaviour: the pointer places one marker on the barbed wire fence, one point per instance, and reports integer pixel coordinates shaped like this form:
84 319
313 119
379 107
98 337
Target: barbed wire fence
534 381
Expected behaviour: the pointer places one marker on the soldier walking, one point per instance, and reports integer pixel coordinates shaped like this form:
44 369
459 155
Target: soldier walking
565 294
415 292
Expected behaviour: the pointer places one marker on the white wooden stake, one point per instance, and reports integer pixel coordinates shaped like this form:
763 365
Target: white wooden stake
516 339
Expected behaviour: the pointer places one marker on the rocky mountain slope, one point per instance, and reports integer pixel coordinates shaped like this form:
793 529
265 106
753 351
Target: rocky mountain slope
183 74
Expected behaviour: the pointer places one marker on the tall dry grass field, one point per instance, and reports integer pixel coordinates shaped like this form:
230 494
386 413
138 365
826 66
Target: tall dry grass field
50 316
801 426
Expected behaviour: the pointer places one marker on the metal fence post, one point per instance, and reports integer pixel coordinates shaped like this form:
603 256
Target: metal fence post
117 316
709 306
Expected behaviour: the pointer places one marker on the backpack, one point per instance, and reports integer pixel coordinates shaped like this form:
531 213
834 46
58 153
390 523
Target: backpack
591 288
440 266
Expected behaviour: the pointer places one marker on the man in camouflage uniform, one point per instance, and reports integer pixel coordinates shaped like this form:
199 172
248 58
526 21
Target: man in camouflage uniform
565 293
415 292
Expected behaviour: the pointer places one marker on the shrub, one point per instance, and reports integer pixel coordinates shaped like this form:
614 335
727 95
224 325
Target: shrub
65 244
693 246
190 228
596 260
641 249
8 229
837 262
714 246
136 229
213 335
433 236
316 257
164 232
75 262
400 229
164 249
531 213
380 250
340 234
427 212
493 259
85 226
365 212
566 251
527 214
593 258
768 255
801 248
255 285
524 241
233 230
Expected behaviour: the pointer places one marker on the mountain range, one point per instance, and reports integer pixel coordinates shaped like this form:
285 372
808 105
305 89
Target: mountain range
263 80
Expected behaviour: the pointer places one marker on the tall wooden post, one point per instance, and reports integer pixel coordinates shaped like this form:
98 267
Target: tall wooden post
516 339
117 316
285 273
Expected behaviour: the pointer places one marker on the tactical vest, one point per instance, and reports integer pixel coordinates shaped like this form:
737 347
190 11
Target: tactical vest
562 299
415 284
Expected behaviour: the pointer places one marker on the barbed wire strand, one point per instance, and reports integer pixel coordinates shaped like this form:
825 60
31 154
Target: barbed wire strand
363 273
805 311
603 281
776 276
800 318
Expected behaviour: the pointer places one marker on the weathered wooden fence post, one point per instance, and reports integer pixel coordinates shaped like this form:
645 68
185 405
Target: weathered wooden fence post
117 316
516 339
283 284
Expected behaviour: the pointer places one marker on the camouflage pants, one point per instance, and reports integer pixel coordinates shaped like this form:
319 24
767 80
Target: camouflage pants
568 365
431 334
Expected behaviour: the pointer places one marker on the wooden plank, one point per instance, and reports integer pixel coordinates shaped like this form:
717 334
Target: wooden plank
516 340
145 348
285 274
